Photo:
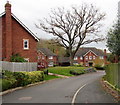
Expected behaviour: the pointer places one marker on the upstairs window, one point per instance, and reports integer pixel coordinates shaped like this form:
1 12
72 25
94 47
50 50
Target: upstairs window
93 57
50 57
90 57
25 43
86 57
81 58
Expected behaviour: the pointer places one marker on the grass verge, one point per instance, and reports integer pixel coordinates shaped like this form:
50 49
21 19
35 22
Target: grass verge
50 77
64 70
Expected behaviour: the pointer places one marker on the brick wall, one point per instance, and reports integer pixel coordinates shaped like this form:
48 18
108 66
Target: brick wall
13 34
19 33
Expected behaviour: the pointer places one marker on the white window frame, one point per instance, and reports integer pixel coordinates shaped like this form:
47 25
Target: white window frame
50 57
75 58
94 57
86 57
81 58
90 57
50 64
24 40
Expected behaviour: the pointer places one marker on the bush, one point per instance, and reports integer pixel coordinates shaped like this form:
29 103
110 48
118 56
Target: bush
35 76
90 70
8 80
25 78
16 79
8 83
99 67
17 58
46 71
22 79
78 65
77 72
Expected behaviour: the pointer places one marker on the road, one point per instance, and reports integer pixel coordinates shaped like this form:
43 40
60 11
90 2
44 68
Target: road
81 89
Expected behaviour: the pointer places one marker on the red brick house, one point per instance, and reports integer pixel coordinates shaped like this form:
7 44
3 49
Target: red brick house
46 57
16 37
87 55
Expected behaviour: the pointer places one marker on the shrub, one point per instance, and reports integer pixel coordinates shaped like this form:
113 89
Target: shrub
8 80
46 71
78 65
17 58
8 83
25 78
35 76
16 79
77 72
90 70
22 79
99 67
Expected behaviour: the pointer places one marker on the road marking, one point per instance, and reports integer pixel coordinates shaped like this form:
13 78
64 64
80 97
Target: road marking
74 97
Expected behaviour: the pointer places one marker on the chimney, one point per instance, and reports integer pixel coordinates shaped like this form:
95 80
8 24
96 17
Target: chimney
105 56
8 26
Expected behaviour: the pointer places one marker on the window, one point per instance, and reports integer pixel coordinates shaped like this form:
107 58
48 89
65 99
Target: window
43 57
86 57
75 58
50 64
90 57
50 57
93 57
101 57
81 58
27 59
26 43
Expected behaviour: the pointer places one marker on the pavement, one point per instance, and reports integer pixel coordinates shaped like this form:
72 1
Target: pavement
63 91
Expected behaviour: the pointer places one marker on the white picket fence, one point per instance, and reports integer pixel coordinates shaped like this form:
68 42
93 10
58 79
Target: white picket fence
14 67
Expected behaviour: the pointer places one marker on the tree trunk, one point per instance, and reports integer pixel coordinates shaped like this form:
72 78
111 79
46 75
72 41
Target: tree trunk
71 59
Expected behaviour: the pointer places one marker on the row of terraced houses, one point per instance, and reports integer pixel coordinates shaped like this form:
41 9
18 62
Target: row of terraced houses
17 38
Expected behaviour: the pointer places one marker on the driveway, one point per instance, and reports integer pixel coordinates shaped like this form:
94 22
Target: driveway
80 89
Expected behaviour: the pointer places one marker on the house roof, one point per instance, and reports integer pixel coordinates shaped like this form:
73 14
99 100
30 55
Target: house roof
46 51
25 27
83 51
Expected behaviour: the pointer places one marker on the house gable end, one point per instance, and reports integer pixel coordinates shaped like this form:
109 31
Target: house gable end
90 51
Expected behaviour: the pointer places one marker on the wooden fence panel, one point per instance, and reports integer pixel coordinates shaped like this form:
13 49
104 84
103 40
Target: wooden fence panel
15 67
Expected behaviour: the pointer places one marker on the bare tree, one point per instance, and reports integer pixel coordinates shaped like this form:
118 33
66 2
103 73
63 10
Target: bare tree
74 27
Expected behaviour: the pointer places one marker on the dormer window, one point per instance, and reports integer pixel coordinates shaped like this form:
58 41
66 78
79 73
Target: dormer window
25 44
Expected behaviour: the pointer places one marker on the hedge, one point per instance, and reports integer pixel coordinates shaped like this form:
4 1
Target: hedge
16 79
112 74
79 72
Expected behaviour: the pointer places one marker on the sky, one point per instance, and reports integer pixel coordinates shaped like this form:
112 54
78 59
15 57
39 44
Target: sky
31 11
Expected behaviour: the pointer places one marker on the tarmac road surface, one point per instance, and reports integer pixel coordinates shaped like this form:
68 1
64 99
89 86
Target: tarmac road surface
80 89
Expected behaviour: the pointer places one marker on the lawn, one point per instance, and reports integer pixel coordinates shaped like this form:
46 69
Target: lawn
64 70
49 77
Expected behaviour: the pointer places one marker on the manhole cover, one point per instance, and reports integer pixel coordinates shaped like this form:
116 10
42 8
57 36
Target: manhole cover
25 98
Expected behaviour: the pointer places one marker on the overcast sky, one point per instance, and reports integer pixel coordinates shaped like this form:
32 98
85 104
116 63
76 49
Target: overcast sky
30 11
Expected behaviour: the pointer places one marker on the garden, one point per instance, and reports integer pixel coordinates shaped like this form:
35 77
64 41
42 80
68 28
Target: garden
11 80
